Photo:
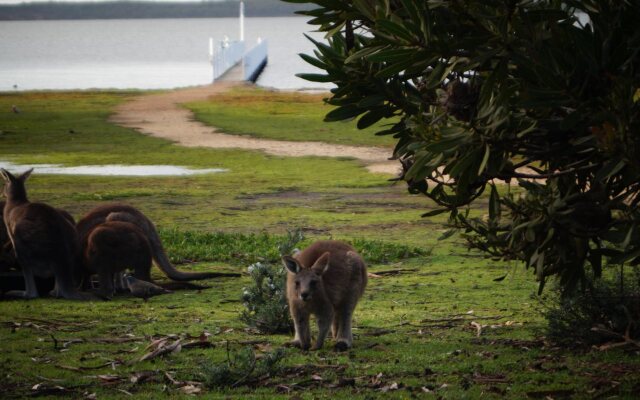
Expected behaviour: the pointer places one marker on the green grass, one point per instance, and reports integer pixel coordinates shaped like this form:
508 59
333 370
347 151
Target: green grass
283 116
413 329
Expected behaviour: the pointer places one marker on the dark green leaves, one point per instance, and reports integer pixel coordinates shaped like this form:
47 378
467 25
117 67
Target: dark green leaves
486 94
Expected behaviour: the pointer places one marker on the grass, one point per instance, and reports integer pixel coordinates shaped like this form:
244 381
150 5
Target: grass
414 332
282 116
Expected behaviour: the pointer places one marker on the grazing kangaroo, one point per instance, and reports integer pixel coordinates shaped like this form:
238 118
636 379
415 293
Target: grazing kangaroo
44 241
326 279
111 248
126 213
7 258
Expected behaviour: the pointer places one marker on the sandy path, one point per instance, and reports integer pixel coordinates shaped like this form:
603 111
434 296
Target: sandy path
161 115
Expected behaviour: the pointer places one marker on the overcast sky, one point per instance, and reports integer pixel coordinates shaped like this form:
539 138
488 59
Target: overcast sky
81 1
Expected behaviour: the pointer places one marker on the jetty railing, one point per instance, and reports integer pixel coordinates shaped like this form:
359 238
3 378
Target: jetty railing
255 60
225 56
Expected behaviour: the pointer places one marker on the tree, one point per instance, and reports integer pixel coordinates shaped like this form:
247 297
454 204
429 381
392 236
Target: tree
544 95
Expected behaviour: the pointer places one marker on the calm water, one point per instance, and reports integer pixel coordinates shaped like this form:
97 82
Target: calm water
146 54
110 170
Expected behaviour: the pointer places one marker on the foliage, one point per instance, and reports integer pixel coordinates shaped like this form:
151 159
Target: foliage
607 311
265 299
544 94
242 367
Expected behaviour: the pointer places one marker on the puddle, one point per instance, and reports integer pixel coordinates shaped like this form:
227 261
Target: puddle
109 170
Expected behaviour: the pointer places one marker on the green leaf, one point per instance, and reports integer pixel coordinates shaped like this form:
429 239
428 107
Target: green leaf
342 113
485 159
447 234
395 29
394 69
494 204
364 7
315 77
365 51
372 101
370 118
433 213
392 55
313 61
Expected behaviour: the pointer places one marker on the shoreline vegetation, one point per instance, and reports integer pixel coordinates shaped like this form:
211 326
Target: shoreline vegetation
144 10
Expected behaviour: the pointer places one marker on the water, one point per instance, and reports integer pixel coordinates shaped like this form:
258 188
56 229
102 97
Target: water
109 170
143 53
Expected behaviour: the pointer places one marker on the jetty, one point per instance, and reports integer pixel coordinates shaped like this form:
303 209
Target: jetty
232 61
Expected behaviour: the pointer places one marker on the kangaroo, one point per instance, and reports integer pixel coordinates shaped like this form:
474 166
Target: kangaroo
326 279
7 258
132 215
44 241
111 248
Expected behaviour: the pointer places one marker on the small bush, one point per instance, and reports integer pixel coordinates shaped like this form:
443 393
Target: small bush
265 299
242 367
603 313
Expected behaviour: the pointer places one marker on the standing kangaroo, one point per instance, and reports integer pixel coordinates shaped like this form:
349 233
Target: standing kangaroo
45 242
126 213
326 279
110 249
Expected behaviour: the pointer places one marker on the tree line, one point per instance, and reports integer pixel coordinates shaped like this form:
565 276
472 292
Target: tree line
140 9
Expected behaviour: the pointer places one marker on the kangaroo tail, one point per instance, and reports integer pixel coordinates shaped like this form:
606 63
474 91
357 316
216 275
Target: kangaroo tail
162 260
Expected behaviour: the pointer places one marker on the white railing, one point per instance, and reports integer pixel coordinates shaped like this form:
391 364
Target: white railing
255 60
224 56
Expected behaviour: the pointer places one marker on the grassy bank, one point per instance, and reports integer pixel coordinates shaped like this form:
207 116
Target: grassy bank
434 324
282 116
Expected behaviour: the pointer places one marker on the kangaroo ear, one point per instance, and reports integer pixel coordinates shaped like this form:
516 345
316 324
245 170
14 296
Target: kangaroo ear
25 175
322 264
6 175
291 264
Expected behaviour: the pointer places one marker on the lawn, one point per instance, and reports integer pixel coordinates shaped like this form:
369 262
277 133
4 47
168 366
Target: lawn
283 116
436 323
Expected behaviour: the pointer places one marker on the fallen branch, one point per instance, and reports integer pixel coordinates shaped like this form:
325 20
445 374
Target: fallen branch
626 338
162 350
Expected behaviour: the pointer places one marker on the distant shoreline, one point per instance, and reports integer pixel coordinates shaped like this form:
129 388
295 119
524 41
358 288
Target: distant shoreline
145 10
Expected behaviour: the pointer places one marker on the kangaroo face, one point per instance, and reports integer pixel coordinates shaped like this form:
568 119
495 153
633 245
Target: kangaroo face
307 281
306 284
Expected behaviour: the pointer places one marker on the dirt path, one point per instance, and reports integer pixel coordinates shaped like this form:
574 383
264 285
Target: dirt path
161 115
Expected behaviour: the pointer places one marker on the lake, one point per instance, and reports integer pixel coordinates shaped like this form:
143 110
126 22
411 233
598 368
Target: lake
143 53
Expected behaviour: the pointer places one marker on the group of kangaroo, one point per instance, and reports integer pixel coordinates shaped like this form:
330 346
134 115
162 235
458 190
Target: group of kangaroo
326 279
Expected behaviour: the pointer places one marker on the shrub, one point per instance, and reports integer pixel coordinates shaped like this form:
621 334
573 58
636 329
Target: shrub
604 312
543 94
265 299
